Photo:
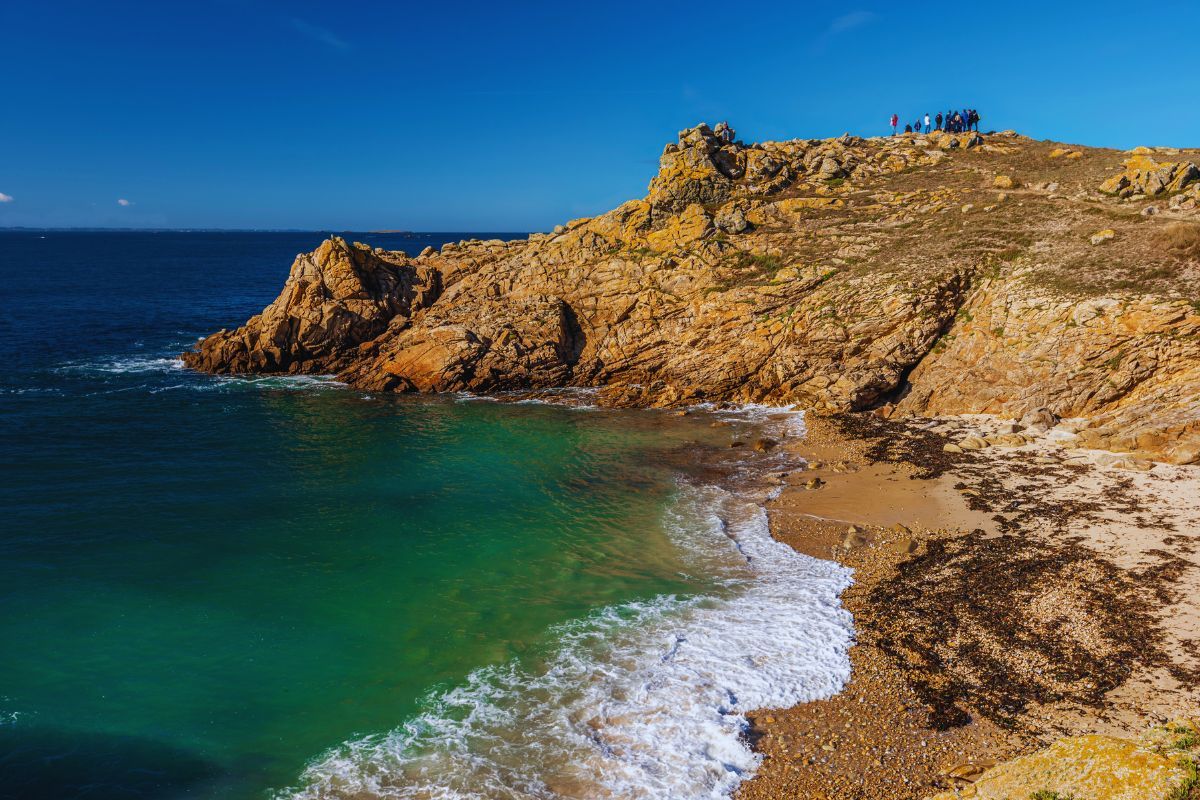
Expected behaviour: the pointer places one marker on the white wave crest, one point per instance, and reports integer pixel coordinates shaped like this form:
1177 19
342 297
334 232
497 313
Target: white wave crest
271 381
640 701
155 367
785 421
120 365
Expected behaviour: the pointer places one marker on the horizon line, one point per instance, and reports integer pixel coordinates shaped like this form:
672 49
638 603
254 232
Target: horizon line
127 229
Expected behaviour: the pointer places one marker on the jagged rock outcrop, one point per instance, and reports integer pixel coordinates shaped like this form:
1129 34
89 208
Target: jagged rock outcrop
1143 175
837 274
335 298
699 169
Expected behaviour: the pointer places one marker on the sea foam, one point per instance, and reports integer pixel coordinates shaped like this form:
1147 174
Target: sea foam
643 700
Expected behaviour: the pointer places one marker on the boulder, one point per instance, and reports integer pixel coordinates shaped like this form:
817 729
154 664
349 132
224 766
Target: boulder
1040 419
903 546
1088 766
1142 175
1011 440
502 343
732 219
854 538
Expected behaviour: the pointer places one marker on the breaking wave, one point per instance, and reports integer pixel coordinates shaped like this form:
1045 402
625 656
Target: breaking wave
155 374
642 700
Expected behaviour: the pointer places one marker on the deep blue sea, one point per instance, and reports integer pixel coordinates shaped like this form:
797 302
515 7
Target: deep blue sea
255 587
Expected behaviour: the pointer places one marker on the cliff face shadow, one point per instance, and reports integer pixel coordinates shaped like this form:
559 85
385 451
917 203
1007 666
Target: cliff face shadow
55 764
572 348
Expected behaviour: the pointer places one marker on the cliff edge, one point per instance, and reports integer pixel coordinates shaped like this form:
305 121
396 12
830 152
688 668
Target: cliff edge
917 274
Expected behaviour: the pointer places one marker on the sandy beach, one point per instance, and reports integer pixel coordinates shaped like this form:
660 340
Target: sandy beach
1003 598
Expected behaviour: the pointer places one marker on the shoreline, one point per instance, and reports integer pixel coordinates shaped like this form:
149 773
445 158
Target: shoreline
893 730
900 727
1002 599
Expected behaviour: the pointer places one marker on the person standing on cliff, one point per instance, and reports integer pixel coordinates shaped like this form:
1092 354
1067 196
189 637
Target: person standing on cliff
927 122
895 121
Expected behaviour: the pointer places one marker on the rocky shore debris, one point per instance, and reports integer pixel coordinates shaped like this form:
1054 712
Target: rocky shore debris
979 646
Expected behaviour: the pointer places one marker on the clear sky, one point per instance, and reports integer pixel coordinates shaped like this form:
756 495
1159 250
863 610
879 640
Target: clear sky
514 116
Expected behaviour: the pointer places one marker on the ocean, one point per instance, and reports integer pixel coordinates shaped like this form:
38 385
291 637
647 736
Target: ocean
278 587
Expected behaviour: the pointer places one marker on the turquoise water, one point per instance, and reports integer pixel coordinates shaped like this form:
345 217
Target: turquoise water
228 588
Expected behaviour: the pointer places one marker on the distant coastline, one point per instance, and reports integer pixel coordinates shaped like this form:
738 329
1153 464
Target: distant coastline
317 231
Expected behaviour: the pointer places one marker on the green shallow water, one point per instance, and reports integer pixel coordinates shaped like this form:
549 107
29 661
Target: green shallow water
206 583
223 612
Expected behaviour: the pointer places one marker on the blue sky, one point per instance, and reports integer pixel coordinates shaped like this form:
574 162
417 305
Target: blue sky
513 116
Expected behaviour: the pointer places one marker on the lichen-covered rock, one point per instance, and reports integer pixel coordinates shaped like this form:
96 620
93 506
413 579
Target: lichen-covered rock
1087 768
1144 175
682 229
732 219
699 169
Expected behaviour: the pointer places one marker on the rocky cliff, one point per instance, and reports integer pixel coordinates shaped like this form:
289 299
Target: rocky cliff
913 274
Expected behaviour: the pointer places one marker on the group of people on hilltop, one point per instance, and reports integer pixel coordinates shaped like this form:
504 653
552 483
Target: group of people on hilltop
952 122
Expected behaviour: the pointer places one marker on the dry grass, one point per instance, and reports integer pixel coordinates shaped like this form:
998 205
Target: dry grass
1181 239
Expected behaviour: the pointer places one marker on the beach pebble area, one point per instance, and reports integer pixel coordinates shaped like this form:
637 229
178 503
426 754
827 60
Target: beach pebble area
1011 588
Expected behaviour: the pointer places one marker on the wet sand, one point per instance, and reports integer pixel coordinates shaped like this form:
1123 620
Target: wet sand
1003 598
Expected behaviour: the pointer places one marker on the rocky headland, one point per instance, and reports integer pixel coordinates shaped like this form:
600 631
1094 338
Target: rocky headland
999 341
914 275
